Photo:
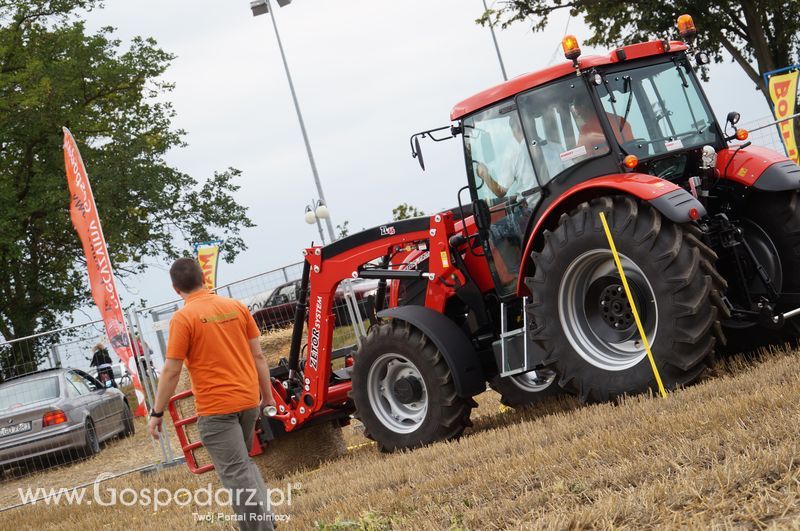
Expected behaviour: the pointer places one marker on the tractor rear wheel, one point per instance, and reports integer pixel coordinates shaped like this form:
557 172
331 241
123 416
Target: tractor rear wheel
583 319
528 388
403 389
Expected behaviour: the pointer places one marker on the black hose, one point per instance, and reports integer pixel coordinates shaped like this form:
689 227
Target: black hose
299 320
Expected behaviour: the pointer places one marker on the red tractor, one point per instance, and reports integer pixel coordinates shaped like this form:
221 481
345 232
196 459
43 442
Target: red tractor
517 287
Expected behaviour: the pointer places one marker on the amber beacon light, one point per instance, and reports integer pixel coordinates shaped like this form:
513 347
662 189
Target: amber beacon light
630 162
570 46
686 27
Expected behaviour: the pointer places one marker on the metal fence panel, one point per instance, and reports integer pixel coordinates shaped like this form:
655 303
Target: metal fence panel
65 417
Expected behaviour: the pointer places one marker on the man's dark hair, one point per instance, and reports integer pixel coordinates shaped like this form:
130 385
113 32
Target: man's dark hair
186 274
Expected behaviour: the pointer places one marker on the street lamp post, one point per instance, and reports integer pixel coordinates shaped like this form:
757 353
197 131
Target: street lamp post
261 7
494 38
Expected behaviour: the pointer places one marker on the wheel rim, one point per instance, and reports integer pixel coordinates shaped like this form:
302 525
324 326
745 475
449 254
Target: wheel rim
534 381
397 393
595 313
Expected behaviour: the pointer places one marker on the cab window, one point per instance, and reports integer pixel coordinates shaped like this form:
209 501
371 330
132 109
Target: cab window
561 126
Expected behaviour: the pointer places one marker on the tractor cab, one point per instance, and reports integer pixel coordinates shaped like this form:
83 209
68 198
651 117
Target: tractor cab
639 109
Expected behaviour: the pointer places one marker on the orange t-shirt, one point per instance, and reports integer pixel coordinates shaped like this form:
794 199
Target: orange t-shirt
210 335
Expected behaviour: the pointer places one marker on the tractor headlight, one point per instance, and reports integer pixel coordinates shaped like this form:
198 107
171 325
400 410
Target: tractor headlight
709 157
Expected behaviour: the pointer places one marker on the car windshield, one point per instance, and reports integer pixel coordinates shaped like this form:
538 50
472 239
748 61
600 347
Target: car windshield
657 109
16 395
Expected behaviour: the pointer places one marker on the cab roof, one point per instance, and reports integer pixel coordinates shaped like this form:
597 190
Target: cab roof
540 77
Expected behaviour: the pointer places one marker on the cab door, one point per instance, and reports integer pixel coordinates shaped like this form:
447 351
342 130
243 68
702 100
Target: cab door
504 188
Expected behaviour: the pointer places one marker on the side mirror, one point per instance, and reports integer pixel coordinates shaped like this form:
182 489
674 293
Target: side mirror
418 153
733 118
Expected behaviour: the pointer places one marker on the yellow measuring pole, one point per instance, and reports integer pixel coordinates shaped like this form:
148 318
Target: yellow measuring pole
633 305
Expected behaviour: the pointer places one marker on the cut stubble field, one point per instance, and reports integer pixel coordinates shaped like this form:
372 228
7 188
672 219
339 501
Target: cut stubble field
723 453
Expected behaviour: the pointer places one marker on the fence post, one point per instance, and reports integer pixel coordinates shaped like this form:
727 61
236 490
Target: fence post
166 448
144 378
56 357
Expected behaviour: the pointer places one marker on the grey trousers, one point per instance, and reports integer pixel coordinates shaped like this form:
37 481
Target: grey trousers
228 439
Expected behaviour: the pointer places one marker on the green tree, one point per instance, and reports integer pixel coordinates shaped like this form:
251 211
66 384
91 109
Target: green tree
343 230
760 35
406 211
53 73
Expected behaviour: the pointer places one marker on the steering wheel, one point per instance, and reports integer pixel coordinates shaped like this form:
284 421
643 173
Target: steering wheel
663 174
478 177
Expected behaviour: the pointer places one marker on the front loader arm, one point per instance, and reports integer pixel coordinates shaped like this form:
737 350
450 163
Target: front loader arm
309 392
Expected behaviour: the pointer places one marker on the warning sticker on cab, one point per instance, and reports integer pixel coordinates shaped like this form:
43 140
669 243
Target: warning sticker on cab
573 153
674 144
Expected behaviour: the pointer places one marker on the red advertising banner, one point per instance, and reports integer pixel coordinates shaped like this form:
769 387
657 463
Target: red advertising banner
86 221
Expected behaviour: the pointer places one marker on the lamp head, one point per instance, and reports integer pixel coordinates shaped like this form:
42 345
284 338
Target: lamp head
310 217
322 211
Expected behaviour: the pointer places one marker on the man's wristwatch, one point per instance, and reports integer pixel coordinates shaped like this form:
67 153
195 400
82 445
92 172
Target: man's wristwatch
156 415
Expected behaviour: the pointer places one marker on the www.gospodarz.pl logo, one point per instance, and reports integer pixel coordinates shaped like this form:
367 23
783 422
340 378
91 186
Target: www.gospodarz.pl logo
158 497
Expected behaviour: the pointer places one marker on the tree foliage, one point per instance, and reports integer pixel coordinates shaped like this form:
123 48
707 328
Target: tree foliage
406 211
760 35
53 73
343 230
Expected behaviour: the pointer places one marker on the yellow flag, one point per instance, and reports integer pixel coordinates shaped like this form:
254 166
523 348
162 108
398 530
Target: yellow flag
208 256
783 91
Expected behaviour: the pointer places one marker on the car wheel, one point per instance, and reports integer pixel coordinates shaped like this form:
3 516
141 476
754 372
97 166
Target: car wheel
91 441
128 426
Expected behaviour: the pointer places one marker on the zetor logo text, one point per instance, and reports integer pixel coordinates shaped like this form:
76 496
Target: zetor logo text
315 332
387 231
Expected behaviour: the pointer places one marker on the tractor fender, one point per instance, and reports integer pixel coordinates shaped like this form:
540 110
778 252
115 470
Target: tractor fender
779 177
674 202
451 341
760 168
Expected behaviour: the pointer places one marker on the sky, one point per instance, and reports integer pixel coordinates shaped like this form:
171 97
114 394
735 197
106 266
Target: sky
368 74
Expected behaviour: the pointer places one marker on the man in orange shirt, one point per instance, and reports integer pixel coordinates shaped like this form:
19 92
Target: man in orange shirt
217 338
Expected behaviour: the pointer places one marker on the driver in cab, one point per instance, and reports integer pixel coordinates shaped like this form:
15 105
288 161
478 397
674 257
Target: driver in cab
517 171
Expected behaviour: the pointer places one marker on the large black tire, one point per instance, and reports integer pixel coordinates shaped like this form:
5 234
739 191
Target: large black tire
395 351
521 390
778 214
680 312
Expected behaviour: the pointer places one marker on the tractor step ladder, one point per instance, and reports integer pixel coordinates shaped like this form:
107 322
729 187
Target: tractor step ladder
513 344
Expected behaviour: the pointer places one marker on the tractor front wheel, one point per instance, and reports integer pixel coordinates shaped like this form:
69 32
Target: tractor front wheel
582 315
403 389
772 229
526 389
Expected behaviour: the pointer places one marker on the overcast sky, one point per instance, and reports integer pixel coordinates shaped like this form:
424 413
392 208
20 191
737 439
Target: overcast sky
368 74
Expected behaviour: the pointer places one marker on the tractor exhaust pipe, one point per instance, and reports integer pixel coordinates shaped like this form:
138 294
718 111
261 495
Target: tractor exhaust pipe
299 321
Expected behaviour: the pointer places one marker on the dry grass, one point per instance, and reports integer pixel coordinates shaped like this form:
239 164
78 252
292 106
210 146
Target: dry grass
723 453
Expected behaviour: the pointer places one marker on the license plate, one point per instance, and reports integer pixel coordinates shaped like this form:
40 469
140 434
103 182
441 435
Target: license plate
5 431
